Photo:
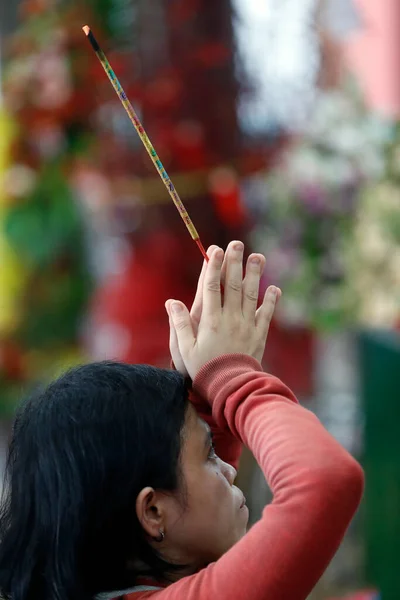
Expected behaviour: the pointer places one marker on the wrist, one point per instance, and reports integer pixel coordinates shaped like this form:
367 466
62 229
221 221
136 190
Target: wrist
219 371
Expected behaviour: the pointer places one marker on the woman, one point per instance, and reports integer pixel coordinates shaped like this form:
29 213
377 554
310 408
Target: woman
115 483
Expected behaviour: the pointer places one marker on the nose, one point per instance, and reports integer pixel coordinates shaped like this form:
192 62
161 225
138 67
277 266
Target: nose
228 472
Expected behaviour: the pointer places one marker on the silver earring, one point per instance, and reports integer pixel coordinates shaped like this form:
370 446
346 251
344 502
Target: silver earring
161 537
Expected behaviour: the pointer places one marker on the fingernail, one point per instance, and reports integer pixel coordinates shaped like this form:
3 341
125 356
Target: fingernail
176 307
238 247
273 291
256 260
219 255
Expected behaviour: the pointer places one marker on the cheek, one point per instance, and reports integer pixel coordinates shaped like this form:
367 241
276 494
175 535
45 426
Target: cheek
212 522
223 521
216 493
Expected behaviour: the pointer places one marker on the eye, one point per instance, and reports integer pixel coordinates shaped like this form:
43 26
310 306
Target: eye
212 455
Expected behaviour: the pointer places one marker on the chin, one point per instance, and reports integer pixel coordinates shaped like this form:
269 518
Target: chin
238 534
241 530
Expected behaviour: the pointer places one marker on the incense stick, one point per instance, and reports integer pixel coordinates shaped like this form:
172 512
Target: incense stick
145 139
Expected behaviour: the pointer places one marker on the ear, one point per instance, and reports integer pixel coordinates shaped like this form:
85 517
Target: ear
150 512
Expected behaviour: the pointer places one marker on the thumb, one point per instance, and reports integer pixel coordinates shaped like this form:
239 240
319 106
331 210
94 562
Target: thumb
183 326
173 344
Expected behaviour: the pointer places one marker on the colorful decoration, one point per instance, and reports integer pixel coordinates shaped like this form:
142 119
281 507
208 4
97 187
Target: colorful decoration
11 269
374 251
309 207
44 276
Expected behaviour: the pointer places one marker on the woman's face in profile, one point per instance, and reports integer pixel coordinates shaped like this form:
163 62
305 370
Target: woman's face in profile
208 515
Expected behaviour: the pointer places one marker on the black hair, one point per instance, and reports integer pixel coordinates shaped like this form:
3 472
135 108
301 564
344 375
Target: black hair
81 451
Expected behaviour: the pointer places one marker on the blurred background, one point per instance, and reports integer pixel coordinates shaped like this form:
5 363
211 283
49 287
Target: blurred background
279 123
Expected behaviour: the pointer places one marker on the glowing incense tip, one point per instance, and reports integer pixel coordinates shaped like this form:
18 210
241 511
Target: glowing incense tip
91 38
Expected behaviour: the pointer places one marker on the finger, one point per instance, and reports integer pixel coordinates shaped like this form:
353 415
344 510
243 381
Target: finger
183 327
195 312
173 339
212 285
173 342
234 276
224 268
223 271
266 311
251 285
